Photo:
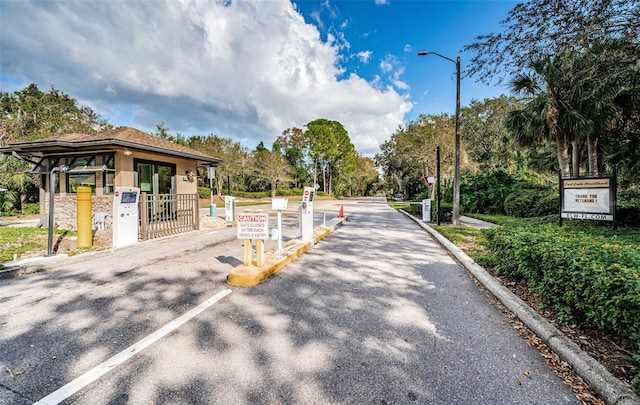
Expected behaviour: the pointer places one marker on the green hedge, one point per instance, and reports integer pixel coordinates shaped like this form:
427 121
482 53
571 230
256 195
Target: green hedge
586 276
628 214
526 202
290 192
204 192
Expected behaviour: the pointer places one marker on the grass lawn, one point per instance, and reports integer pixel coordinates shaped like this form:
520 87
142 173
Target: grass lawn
25 242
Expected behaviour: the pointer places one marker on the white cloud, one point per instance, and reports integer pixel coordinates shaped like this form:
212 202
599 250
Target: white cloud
407 48
245 69
392 66
364 56
381 2
386 66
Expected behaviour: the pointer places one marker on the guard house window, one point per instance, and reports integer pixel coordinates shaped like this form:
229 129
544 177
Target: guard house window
109 174
75 180
155 177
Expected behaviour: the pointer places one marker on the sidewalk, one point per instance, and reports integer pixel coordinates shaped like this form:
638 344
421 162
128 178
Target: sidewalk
476 223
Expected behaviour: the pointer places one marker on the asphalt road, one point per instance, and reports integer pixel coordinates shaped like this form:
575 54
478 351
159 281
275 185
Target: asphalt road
376 313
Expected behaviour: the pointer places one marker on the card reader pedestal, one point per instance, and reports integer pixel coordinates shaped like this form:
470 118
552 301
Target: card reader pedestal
125 216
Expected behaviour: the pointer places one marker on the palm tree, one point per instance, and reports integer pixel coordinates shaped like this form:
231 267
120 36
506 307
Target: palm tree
15 176
575 99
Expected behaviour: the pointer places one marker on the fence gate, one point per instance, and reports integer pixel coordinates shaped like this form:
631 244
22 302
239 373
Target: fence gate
167 214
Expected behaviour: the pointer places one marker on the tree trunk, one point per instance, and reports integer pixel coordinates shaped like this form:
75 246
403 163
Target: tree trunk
273 189
592 154
563 152
324 179
219 184
330 180
315 172
562 147
575 158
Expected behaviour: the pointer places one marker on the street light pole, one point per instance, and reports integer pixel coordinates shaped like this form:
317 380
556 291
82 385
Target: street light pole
438 212
455 218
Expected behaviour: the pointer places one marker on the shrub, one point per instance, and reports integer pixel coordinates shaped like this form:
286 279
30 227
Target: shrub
27 209
547 205
589 276
520 203
628 214
446 208
629 196
485 193
531 200
204 192
287 192
415 210
252 194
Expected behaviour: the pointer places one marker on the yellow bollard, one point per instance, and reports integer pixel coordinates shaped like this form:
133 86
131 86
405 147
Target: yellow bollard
259 252
247 253
85 230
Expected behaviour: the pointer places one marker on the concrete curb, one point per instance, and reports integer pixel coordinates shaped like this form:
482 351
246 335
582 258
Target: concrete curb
610 388
248 276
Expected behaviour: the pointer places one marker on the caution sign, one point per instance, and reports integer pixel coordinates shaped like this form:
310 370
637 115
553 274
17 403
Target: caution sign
253 226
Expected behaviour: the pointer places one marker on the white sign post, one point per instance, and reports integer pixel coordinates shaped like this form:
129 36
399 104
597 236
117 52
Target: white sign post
306 215
211 173
229 208
279 204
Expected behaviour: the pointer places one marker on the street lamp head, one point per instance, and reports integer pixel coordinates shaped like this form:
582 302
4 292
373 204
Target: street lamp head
422 53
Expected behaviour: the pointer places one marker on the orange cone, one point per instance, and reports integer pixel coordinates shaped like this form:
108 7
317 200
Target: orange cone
341 212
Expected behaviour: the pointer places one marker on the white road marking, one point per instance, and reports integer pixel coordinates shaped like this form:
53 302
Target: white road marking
103 368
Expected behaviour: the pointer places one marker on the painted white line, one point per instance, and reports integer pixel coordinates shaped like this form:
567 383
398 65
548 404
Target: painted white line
103 368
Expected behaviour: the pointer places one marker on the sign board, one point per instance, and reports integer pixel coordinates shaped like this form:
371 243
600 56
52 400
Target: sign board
211 172
307 200
279 203
308 194
229 208
426 210
253 226
595 217
589 198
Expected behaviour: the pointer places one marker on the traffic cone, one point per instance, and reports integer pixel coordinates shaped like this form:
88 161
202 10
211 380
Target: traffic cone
341 212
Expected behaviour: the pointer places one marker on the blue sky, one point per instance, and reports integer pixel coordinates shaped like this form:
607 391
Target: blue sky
394 31
248 70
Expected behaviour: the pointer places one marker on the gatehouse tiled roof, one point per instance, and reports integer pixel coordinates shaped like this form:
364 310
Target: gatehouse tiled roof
124 137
